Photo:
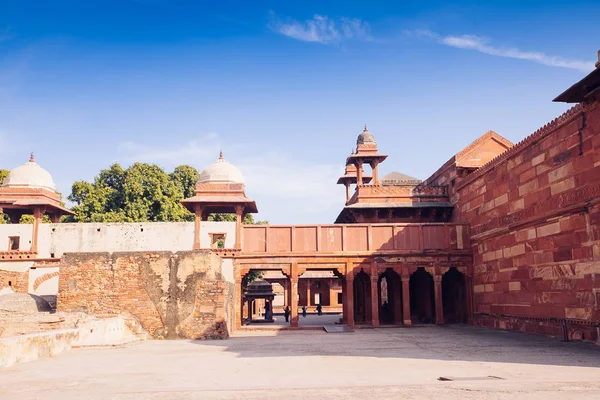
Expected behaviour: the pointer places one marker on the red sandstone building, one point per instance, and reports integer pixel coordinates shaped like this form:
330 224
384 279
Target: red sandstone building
501 235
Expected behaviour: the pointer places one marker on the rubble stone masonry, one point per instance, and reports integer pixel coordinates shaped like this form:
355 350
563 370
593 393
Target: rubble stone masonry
534 213
173 295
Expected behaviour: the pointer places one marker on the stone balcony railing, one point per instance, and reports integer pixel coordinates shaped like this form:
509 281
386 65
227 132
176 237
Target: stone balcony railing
354 238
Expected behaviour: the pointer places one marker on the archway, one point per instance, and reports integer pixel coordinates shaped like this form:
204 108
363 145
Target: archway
390 298
454 297
319 290
362 298
422 297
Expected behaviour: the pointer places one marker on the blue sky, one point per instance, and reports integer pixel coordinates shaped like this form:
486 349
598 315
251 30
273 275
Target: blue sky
283 88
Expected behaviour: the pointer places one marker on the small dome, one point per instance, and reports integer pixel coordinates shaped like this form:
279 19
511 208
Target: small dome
221 171
29 175
365 137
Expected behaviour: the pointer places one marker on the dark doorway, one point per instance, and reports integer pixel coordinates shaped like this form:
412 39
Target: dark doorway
362 298
390 298
319 293
422 297
454 297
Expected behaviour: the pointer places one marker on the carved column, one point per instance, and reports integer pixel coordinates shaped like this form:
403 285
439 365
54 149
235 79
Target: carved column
294 295
439 307
397 307
347 184
406 299
307 292
238 226
375 168
38 214
239 297
374 295
197 220
350 298
359 172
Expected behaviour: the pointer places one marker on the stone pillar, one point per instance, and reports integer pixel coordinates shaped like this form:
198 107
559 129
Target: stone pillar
344 302
469 298
238 226
359 173
347 184
350 298
374 296
38 215
294 296
439 307
239 302
406 299
397 301
375 168
307 293
197 220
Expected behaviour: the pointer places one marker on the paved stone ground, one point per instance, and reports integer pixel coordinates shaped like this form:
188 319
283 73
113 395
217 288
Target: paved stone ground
366 364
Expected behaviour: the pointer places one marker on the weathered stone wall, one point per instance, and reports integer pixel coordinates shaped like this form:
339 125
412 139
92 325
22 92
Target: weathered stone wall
173 295
535 224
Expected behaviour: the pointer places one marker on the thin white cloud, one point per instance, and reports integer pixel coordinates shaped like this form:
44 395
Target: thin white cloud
322 29
483 45
286 189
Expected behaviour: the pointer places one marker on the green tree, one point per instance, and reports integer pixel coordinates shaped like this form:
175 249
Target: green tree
141 193
248 219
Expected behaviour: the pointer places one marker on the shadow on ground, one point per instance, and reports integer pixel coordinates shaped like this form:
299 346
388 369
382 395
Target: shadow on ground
451 342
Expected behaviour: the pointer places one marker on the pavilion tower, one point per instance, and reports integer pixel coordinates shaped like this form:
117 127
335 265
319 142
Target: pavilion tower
366 153
350 178
29 189
220 189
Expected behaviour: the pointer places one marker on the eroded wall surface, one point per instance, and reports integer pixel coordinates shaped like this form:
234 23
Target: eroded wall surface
173 295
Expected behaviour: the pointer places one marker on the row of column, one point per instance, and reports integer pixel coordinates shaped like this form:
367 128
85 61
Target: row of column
348 298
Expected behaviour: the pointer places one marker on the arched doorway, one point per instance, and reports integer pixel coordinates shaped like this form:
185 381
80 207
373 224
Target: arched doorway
390 298
454 297
422 297
362 298
319 290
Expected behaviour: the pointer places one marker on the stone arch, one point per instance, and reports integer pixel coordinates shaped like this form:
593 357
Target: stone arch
43 278
362 298
454 297
390 297
422 297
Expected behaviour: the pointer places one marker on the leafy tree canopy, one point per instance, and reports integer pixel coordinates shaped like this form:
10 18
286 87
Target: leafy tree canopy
141 193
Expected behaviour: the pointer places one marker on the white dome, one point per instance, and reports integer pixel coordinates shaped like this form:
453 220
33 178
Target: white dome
29 175
221 171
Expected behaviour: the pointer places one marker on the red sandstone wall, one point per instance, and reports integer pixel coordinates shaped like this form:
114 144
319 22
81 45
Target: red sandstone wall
535 224
173 295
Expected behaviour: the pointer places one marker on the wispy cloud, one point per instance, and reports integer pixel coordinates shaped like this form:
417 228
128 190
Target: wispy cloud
483 45
322 29
274 178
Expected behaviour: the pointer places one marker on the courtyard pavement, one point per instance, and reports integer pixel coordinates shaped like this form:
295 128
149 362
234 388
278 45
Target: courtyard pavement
390 363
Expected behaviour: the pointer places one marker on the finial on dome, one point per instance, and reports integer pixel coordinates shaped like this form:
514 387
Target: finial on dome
31 158
221 155
365 128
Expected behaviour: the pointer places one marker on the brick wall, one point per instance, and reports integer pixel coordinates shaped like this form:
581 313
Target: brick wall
535 224
18 280
173 295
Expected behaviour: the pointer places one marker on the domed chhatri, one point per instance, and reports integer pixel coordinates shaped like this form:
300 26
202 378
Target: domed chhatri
29 175
220 189
221 171
365 137
29 189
